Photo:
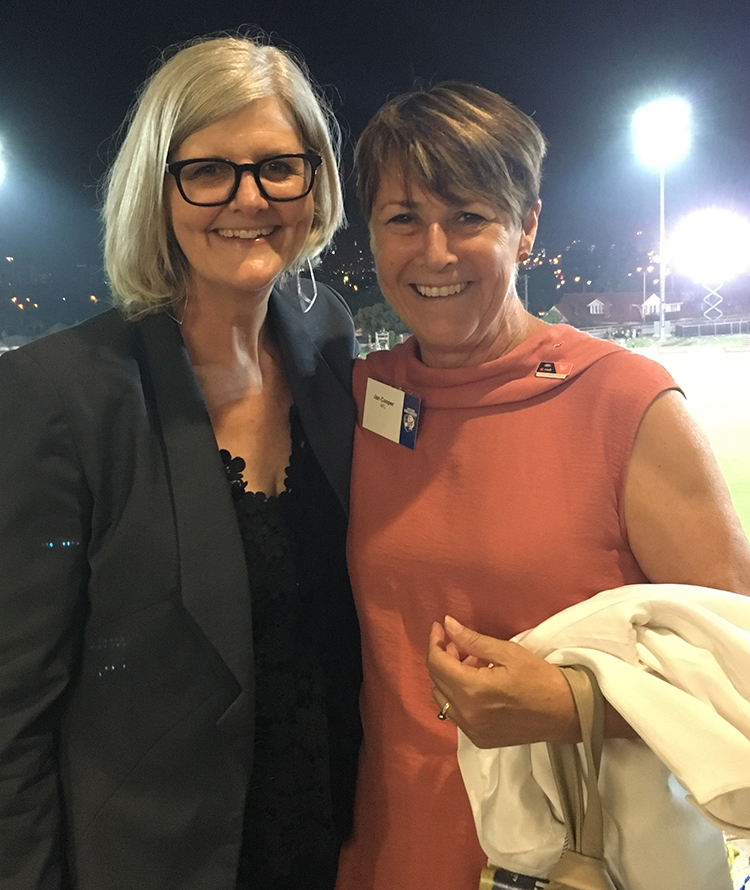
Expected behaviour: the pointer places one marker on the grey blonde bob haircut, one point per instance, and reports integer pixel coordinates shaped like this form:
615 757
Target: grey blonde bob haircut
456 139
199 85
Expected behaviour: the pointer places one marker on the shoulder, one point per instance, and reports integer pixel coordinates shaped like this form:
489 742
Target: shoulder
614 394
385 361
623 389
80 368
328 308
381 364
612 370
326 330
104 335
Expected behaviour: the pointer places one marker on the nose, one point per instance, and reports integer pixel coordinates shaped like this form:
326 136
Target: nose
248 194
437 248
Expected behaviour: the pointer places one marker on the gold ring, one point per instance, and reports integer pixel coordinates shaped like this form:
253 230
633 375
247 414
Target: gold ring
443 712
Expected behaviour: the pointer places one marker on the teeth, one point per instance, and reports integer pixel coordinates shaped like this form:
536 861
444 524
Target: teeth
447 290
245 233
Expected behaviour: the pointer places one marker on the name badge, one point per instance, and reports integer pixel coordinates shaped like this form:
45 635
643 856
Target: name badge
558 370
391 413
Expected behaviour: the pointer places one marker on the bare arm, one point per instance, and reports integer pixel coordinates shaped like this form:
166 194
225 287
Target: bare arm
681 524
682 529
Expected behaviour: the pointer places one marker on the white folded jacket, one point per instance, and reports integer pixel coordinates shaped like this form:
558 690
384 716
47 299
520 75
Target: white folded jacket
674 660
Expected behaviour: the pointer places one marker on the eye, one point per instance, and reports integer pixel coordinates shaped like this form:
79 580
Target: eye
471 219
206 170
279 169
402 219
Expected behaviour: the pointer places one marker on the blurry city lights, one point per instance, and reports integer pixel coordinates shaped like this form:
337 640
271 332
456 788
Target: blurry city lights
711 246
661 131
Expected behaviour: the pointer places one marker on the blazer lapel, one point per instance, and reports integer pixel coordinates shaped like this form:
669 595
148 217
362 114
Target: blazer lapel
213 572
326 407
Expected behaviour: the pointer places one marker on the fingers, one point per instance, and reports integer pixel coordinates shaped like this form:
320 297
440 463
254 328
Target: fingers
454 658
437 636
452 650
470 642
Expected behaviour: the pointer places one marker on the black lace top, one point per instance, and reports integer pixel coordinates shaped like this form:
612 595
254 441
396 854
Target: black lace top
294 546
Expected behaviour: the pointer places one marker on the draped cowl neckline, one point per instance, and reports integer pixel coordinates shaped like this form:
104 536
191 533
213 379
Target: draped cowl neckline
505 380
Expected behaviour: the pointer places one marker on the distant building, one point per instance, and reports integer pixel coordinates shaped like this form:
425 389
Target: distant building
589 310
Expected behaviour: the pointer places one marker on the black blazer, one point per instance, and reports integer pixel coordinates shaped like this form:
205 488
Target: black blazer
126 663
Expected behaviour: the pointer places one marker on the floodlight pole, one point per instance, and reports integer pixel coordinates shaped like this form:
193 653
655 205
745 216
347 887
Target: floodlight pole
662 259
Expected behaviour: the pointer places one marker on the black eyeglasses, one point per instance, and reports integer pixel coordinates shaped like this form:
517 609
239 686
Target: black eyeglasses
209 182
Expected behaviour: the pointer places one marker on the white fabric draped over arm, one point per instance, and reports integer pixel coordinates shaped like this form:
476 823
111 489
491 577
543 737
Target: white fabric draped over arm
674 660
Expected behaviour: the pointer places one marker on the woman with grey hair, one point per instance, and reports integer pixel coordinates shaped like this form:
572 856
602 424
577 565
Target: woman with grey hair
179 656
504 469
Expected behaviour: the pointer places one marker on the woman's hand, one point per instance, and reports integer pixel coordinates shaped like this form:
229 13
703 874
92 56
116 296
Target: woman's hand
500 694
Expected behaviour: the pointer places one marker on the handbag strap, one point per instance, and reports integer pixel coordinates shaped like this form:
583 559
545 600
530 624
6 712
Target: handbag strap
584 826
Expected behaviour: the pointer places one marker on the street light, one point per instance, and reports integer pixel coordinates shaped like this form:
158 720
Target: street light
647 270
711 246
662 138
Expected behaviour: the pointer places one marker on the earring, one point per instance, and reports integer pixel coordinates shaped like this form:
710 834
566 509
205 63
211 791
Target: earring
306 303
184 308
523 257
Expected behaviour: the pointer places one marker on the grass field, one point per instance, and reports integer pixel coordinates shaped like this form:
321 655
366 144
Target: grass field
715 377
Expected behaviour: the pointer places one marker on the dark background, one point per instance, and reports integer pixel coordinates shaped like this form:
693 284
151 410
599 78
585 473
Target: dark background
69 72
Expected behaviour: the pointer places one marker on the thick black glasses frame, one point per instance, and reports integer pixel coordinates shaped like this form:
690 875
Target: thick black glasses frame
176 167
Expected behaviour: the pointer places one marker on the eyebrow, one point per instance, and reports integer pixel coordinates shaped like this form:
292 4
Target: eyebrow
405 202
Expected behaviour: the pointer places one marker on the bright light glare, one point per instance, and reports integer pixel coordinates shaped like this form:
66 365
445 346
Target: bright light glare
662 132
2 169
711 246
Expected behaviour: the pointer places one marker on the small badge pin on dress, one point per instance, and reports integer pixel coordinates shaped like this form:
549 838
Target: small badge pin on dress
556 370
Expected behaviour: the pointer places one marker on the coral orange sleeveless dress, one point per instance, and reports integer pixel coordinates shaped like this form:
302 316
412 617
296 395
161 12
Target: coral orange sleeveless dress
508 510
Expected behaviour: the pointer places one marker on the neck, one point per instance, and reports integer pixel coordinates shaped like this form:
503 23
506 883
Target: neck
513 327
225 333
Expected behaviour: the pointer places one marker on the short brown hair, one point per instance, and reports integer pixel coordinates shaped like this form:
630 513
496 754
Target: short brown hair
457 139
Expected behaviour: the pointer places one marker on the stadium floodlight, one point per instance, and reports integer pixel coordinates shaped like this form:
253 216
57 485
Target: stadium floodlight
711 246
661 131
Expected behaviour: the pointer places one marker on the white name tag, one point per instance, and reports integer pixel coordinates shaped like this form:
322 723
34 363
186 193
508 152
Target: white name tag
391 413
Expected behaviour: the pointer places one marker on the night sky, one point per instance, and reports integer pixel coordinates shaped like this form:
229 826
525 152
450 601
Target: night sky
69 71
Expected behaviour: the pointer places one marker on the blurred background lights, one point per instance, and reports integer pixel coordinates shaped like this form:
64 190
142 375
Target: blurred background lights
661 131
711 246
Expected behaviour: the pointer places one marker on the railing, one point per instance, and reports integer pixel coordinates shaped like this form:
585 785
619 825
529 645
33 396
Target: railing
703 328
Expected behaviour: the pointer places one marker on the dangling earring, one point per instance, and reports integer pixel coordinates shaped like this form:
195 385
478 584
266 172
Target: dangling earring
184 309
306 303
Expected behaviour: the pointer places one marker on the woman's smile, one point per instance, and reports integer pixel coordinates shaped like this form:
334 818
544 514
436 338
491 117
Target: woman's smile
246 234
440 290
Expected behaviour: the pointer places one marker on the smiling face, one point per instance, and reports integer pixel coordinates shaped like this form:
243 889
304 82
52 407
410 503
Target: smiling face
238 250
448 270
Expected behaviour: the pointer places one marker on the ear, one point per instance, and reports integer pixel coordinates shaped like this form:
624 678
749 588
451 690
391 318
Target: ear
528 232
